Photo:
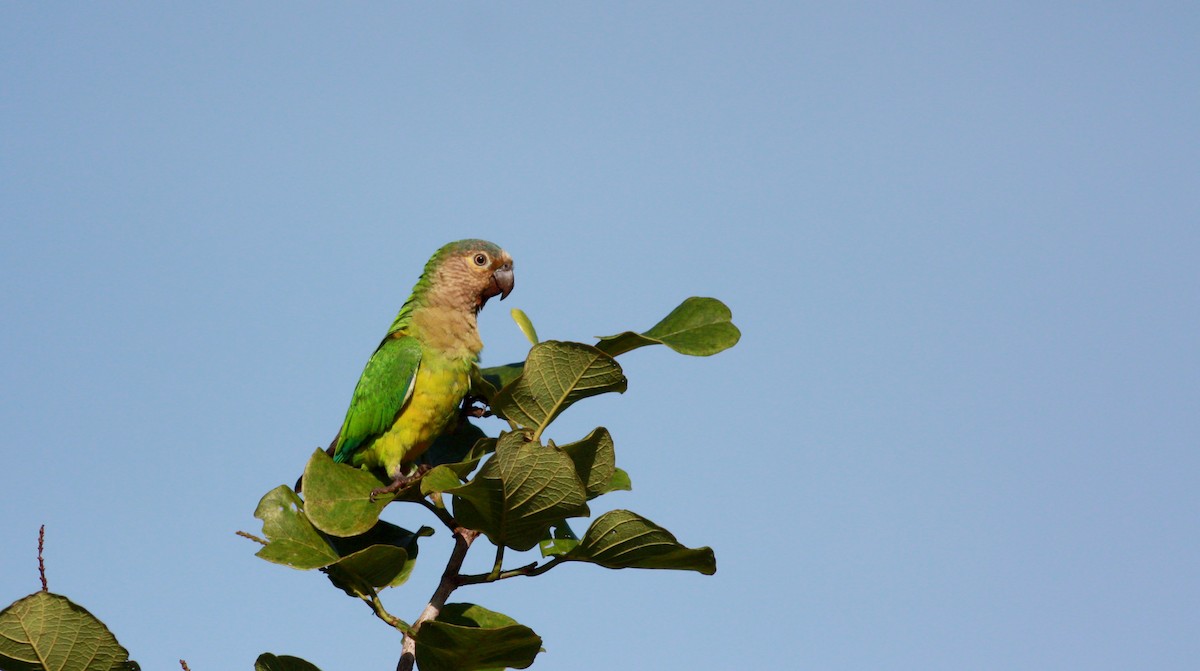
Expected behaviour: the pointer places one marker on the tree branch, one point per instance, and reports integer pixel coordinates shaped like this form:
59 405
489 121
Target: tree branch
449 582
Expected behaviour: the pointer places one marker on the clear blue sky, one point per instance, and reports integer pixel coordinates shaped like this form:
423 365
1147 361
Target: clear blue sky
961 429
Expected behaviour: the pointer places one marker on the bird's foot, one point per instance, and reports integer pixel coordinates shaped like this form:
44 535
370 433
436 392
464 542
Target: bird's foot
401 482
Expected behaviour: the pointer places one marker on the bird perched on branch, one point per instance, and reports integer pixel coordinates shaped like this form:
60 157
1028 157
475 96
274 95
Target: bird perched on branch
413 385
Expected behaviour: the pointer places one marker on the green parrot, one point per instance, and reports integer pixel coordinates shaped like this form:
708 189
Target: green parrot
413 385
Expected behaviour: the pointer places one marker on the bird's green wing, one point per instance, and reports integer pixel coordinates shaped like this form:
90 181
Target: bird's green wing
383 389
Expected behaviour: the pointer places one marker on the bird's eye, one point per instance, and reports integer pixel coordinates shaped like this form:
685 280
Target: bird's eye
481 259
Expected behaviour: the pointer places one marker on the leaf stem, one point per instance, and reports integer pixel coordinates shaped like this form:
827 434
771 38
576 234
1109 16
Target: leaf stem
527 570
377 605
496 566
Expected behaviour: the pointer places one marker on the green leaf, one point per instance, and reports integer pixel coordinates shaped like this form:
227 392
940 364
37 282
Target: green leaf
520 492
697 327
595 461
562 540
556 375
292 540
382 557
269 662
466 637
337 497
620 481
525 325
449 476
623 539
491 380
47 632
452 446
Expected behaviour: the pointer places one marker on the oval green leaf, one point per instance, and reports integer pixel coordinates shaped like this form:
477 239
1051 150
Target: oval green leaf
337 497
697 327
466 637
292 539
47 632
520 492
624 539
557 374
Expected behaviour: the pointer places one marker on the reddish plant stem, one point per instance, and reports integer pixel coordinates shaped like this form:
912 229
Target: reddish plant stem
42 562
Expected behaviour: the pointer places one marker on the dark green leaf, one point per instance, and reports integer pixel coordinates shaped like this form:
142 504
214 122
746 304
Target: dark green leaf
466 637
47 632
453 446
382 557
292 540
556 375
337 497
522 490
697 327
492 380
269 662
623 539
595 461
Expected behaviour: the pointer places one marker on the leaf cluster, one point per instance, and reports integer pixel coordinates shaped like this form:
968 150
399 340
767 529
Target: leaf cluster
517 490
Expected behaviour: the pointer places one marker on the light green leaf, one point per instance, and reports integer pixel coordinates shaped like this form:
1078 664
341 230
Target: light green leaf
47 632
520 492
624 539
466 637
525 325
556 375
269 662
337 497
697 327
620 481
292 540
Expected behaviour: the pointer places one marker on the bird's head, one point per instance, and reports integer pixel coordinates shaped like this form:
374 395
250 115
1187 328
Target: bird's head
472 271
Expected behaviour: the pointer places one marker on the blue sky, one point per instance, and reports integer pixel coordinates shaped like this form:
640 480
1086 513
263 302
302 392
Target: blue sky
961 427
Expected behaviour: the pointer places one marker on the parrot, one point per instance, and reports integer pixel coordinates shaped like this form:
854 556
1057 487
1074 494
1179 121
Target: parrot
414 383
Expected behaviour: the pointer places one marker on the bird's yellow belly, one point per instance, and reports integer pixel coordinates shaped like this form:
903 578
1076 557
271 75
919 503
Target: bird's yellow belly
437 394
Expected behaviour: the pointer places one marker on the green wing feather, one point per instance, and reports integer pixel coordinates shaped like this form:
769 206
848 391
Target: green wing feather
382 392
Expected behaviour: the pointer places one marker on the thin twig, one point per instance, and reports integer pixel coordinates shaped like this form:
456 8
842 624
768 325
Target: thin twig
527 570
42 562
252 537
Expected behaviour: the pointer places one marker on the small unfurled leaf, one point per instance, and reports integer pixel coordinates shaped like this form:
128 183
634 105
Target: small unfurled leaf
522 490
337 497
556 375
620 481
466 637
47 632
624 539
525 325
292 539
595 461
698 327
269 662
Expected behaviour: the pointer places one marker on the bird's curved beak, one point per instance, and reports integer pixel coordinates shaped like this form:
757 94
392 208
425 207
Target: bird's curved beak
502 280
